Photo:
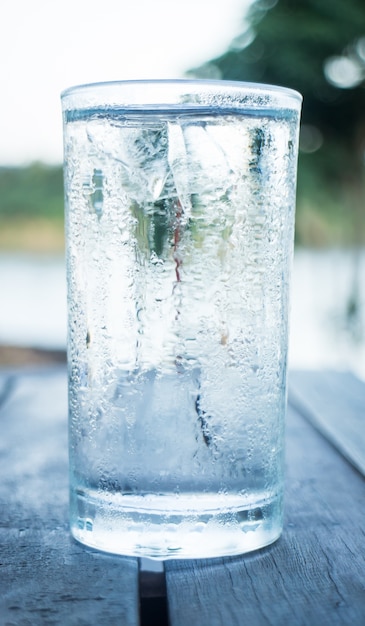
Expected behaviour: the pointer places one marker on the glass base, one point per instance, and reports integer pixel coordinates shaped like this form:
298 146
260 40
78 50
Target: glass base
201 526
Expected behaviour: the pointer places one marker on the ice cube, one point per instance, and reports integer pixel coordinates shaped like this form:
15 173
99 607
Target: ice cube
209 168
142 152
179 165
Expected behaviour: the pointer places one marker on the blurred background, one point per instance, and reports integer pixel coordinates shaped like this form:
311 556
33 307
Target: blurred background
314 46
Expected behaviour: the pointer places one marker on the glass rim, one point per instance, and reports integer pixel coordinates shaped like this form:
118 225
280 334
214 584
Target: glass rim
155 94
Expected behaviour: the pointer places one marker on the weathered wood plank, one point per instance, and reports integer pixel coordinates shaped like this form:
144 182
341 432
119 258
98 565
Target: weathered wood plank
6 385
45 577
334 402
314 575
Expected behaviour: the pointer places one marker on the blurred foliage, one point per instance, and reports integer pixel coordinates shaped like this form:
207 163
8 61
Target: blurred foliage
314 46
318 48
31 208
36 190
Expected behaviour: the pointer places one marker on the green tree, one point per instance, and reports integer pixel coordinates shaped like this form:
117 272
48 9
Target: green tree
318 48
31 208
35 190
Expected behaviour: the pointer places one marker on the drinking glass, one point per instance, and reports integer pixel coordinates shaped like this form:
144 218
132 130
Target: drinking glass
180 201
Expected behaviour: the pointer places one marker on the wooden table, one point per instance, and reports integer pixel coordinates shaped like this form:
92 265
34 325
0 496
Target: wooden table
314 575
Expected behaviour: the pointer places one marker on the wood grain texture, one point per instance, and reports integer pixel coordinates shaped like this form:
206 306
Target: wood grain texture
334 402
45 577
313 576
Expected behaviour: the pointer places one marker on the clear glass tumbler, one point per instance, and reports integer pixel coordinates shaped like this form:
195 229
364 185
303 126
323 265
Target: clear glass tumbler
180 202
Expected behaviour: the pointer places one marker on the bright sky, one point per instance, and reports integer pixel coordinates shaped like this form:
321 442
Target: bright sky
48 45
